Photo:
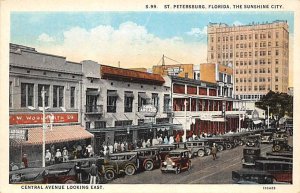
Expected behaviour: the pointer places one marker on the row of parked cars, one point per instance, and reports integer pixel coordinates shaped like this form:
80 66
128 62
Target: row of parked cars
274 167
169 158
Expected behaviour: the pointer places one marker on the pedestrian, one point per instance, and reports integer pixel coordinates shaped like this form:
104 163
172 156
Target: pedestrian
93 174
119 147
65 154
115 146
171 140
90 151
166 141
48 157
25 160
122 147
144 144
57 156
78 172
110 149
214 151
177 139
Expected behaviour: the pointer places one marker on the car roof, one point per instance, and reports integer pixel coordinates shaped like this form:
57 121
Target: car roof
145 149
251 171
273 161
27 170
178 150
123 153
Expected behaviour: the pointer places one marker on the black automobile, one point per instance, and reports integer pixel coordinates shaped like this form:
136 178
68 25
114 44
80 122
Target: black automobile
198 148
149 158
250 154
219 141
281 144
253 141
249 176
266 137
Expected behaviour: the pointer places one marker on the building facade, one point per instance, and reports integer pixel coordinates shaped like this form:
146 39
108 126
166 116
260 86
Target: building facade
30 72
259 54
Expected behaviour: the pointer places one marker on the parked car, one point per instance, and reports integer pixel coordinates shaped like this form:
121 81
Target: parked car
176 161
266 137
46 175
281 170
198 148
250 154
219 141
119 163
281 154
249 176
276 158
253 141
281 145
149 158
164 149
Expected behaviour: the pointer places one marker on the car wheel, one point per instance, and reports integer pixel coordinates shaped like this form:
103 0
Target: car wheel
129 170
200 153
277 148
70 182
178 170
220 147
148 165
109 175
208 151
229 146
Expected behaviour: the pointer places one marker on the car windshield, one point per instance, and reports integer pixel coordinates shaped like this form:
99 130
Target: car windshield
174 154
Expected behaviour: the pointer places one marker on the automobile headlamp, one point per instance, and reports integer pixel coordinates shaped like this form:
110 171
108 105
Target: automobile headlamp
173 164
164 163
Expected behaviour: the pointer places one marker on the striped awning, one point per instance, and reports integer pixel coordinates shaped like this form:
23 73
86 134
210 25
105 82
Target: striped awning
57 134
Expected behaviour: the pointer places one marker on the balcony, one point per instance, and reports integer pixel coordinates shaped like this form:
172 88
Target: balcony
93 109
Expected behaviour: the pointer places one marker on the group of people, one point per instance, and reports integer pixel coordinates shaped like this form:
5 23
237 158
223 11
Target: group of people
53 156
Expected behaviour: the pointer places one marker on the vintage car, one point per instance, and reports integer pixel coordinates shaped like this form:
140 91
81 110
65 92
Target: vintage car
46 175
198 148
149 158
250 154
176 161
281 170
180 145
86 164
281 154
281 145
219 141
253 141
266 137
120 163
280 135
238 138
249 176
164 149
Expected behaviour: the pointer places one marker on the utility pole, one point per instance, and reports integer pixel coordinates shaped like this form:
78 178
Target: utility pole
185 121
44 127
268 116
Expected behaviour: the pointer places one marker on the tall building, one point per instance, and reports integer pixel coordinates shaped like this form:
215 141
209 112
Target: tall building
259 54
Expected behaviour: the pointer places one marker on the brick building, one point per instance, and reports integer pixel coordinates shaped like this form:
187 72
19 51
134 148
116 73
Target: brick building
258 52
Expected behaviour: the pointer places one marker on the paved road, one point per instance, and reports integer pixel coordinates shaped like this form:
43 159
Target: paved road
204 170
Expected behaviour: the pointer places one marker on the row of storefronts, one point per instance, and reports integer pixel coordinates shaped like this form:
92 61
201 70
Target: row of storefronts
88 103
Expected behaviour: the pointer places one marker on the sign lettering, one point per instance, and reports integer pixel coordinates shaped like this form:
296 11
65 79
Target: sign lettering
20 119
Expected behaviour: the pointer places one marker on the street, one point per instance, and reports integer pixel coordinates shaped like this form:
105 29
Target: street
204 170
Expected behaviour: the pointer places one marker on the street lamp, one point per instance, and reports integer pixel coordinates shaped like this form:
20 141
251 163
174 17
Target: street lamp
44 128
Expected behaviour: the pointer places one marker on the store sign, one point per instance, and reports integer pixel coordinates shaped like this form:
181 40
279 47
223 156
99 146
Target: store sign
148 110
20 119
18 134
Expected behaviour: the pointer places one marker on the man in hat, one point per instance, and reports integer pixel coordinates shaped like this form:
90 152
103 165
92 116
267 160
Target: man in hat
57 156
48 157
65 155
93 174
25 160
214 151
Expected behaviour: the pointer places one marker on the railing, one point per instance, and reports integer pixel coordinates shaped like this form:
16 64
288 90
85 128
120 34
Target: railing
94 109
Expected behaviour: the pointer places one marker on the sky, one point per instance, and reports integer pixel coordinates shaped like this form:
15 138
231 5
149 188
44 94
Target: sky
133 39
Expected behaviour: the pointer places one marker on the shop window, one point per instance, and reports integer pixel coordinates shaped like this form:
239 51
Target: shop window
72 97
112 97
58 96
128 101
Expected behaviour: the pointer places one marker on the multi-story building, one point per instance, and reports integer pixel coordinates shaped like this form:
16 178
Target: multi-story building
258 52
114 102
199 108
30 72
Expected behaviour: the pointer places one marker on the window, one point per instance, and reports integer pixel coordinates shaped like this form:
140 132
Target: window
186 75
269 43
277 43
255 88
277 34
40 100
237 63
58 96
250 62
276 78
155 100
10 94
212 56
276 52
276 70
72 97
269 34
128 101
212 39
276 61
100 124
276 87
167 101
237 37
250 71
26 94
236 80
112 97
269 53
142 99
123 123
255 79
229 79
237 45
241 80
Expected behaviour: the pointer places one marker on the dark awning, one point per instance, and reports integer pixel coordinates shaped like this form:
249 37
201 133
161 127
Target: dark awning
143 95
112 94
92 92
129 94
